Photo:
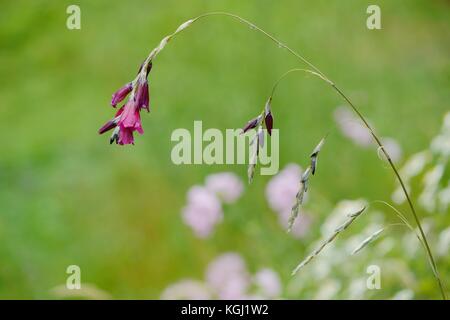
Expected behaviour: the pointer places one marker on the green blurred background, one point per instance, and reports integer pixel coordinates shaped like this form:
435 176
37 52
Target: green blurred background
68 197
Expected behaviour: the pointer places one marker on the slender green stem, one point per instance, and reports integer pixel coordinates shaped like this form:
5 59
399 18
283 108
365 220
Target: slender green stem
358 113
296 70
268 35
401 216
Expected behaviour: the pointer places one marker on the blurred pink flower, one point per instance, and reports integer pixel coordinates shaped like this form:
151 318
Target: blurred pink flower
301 225
281 189
226 185
268 283
203 211
227 275
352 127
280 193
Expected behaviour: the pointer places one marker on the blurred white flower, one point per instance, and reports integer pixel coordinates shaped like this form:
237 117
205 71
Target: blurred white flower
226 185
268 283
405 294
328 290
415 164
428 197
443 246
433 196
322 268
441 143
410 169
393 148
339 214
203 211
398 196
444 198
410 244
446 124
357 289
385 246
186 289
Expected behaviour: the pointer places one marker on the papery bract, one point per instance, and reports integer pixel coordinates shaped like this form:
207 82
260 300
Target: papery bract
142 95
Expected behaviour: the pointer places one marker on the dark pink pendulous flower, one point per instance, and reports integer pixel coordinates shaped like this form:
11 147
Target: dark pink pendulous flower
108 126
128 118
121 94
126 121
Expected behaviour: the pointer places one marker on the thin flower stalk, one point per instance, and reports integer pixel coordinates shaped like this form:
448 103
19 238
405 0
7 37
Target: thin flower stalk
148 61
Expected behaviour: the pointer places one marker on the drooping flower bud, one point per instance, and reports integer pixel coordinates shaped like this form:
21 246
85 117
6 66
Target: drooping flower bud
121 94
107 126
268 118
252 124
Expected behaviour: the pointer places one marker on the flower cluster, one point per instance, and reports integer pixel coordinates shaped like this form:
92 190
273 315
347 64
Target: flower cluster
127 119
332 274
432 164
